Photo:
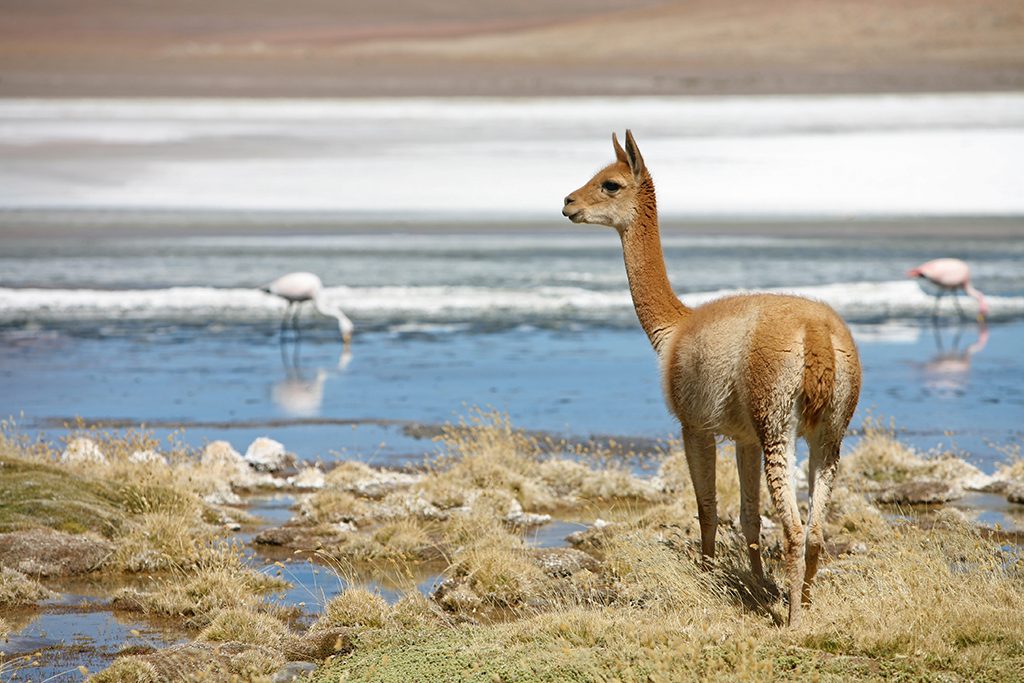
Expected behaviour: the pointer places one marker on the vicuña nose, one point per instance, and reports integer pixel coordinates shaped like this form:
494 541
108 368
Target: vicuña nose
569 200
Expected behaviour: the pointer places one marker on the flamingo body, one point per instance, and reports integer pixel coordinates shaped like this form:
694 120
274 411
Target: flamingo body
298 288
950 274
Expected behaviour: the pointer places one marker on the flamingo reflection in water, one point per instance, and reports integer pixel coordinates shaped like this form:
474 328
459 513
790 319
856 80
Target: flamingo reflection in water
948 371
300 394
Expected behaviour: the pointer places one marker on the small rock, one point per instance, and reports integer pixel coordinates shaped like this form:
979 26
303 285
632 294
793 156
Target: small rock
222 496
218 453
293 671
1015 493
526 519
455 596
345 527
147 457
81 449
232 526
996 485
983 483
320 642
308 478
592 538
276 536
232 470
382 482
562 562
922 492
266 455
845 548
601 523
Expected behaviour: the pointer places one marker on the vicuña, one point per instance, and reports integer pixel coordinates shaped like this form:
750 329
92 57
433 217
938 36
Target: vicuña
761 369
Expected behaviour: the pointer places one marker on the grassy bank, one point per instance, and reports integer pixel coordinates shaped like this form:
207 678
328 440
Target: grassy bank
919 595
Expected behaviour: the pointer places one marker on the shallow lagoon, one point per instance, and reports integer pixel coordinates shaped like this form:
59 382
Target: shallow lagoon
233 385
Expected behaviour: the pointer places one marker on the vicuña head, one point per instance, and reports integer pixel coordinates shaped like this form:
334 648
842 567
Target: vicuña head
613 196
761 369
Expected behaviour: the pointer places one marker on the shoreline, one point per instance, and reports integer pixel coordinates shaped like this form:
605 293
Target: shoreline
117 223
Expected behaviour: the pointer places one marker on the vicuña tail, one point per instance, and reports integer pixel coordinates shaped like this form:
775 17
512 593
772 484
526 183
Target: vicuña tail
819 373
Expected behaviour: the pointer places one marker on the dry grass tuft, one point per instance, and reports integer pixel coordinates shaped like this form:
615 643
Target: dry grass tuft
880 460
16 589
157 541
219 581
944 595
246 626
355 607
194 662
128 670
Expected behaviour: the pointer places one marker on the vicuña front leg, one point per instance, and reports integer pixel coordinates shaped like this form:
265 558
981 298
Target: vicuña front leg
778 456
700 459
821 475
748 463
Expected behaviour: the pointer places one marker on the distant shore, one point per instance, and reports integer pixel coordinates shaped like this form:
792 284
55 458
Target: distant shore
160 223
307 48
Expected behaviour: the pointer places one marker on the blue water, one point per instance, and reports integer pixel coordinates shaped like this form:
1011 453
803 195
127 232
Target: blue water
233 384
533 323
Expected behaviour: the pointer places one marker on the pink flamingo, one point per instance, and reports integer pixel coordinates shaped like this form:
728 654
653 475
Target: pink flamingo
950 275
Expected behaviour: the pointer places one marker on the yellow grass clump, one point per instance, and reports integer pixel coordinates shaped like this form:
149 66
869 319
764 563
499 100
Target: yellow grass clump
879 459
16 589
196 594
355 607
246 626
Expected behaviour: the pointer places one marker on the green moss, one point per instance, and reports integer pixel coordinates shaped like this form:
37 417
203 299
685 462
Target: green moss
34 494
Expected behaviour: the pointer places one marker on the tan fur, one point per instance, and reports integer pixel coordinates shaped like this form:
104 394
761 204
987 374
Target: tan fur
760 369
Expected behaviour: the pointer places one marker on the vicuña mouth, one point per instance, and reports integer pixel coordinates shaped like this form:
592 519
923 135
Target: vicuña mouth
576 217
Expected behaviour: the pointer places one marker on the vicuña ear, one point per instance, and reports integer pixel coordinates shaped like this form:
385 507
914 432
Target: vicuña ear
633 158
620 154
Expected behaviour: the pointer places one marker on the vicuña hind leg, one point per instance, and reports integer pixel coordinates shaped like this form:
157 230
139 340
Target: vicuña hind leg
821 475
700 459
779 451
748 463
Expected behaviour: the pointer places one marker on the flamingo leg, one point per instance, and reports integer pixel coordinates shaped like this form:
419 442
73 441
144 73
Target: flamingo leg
956 302
298 338
938 299
284 320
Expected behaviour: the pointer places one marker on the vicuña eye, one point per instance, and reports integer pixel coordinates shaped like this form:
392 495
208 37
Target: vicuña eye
611 186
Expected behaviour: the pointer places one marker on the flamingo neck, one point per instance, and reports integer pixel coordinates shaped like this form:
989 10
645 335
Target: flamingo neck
982 304
657 306
333 311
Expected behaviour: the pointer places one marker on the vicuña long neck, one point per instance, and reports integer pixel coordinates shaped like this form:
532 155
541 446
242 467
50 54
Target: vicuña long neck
657 306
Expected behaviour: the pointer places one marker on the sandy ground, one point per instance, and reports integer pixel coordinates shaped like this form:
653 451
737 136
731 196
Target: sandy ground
486 47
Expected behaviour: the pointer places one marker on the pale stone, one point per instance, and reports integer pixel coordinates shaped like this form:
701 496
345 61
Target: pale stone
1015 493
220 453
147 457
81 449
308 478
222 496
266 455
525 519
